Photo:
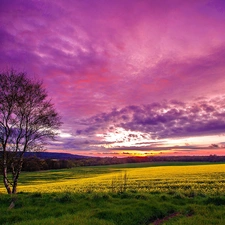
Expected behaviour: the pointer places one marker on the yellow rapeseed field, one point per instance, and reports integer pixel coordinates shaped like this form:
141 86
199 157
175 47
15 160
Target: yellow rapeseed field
205 179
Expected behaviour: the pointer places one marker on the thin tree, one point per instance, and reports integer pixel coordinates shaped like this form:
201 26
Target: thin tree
27 121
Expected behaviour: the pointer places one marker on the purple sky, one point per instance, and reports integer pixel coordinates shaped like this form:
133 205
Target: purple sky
128 77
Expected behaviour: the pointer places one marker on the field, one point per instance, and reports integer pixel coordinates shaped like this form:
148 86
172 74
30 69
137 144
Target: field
146 193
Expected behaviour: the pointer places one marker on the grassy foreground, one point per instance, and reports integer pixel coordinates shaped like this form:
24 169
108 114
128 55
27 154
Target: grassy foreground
112 209
119 195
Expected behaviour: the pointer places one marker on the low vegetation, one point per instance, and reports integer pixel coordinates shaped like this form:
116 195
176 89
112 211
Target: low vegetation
145 193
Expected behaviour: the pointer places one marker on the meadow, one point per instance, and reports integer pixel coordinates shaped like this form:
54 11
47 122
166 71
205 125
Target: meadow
141 193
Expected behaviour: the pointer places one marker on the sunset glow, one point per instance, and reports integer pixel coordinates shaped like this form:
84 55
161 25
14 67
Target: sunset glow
129 78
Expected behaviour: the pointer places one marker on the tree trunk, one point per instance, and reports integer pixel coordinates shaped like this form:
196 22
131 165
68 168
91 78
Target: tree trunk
5 179
15 182
7 186
14 187
16 175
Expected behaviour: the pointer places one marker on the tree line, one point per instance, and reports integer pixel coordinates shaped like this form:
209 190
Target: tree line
34 163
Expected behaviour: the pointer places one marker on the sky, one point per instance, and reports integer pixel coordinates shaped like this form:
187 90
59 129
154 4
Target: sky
128 77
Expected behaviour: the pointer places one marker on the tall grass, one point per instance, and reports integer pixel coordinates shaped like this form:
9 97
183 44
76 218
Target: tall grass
119 183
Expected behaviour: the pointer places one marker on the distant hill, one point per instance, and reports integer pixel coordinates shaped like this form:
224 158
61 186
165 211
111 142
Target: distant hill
54 155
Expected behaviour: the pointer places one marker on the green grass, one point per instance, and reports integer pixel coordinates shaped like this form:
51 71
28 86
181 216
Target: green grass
155 193
111 209
89 208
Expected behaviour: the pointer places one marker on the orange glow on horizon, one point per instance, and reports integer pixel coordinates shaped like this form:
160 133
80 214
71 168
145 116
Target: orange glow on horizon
139 153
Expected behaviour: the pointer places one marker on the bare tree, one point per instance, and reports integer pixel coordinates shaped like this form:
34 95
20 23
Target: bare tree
27 120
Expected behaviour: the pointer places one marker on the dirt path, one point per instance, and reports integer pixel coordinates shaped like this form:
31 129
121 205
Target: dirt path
161 221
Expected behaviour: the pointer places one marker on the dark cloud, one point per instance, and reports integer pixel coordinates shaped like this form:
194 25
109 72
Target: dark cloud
164 120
